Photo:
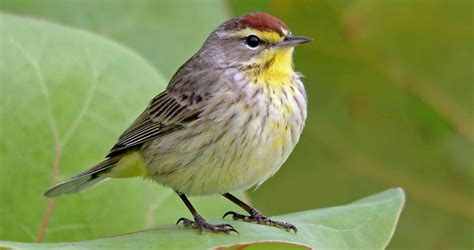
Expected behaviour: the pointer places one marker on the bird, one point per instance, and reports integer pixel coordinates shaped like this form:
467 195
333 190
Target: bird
227 121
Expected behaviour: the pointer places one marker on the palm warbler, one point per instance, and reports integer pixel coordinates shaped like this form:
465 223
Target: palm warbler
228 120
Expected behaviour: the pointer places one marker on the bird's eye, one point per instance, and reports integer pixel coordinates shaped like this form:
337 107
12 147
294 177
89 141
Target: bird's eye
252 41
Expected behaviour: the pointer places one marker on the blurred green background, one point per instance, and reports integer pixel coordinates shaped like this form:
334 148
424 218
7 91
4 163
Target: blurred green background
390 88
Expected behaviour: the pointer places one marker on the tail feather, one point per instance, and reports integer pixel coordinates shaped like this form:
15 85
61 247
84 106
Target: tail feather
84 180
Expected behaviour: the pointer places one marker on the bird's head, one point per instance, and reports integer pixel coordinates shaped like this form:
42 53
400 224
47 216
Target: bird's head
257 42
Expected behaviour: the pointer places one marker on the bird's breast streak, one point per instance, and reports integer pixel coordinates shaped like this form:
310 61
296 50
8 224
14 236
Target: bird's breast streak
242 143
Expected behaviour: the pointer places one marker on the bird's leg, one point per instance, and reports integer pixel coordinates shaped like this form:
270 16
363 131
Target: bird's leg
254 215
199 222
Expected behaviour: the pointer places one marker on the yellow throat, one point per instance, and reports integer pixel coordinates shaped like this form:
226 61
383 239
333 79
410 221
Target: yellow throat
275 66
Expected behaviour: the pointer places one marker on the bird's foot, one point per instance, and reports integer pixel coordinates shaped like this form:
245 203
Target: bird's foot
203 226
257 217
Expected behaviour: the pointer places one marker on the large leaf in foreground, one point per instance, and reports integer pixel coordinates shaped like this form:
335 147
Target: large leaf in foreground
66 96
166 33
366 224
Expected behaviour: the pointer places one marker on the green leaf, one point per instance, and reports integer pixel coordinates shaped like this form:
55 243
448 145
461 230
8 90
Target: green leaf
65 96
166 33
366 224
261 245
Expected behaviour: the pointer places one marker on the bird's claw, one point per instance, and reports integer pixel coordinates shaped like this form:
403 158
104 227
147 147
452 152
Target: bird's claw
186 222
259 218
203 226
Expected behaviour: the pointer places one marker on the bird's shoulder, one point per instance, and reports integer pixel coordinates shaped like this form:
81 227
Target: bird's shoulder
180 104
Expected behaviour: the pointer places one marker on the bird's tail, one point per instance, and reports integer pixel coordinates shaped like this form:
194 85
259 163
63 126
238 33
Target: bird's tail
83 180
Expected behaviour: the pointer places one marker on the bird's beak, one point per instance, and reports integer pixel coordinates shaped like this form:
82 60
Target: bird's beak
291 41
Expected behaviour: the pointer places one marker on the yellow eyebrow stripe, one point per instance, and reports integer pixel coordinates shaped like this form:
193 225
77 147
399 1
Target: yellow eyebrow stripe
270 36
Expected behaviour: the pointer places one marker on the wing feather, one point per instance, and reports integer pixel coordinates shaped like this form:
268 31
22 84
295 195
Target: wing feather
166 113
